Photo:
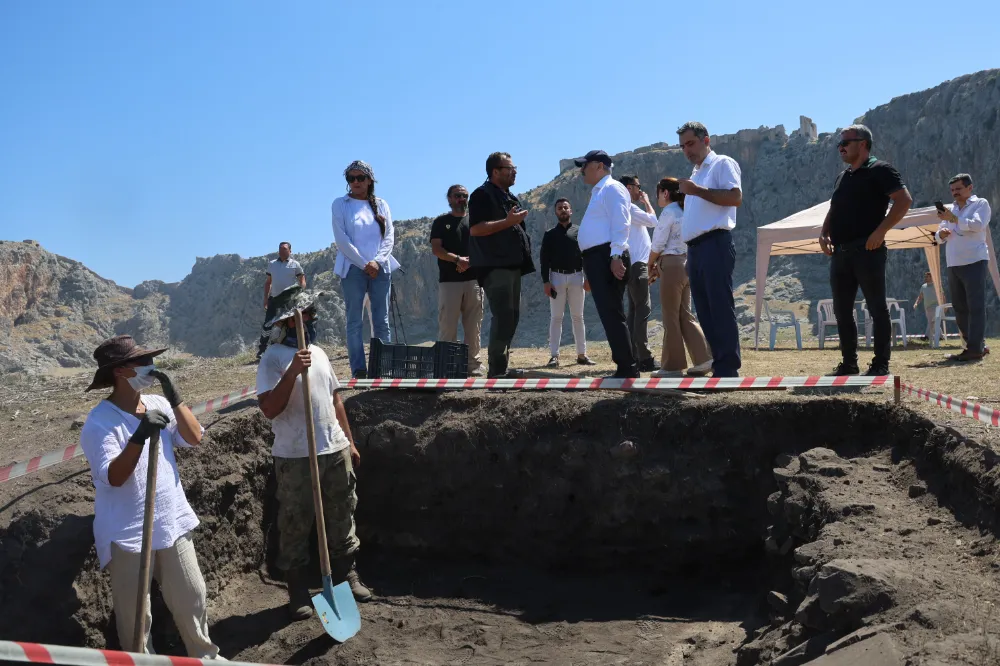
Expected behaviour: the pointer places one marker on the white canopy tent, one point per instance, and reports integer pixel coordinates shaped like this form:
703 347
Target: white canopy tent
799 234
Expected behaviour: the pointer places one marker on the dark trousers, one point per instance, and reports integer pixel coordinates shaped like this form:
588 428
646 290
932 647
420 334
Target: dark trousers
502 287
710 263
638 310
608 291
968 297
266 330
849 269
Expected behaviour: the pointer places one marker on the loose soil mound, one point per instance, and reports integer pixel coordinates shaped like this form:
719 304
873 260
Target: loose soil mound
576 528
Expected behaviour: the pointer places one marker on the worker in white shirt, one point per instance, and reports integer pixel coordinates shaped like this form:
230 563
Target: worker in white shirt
282 273
603 240
639 307
963 231
712 196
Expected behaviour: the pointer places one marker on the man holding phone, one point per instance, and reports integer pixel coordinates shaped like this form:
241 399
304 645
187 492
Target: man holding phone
854 236
963 231
563 281
499 253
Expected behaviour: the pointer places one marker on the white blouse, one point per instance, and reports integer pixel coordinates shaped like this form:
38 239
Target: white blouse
667 235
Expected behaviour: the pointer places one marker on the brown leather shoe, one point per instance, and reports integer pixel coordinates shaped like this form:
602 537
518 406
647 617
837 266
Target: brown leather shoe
966 357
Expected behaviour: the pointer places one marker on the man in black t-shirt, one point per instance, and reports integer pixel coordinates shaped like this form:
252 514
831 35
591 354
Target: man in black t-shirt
854 235
459 294
499 253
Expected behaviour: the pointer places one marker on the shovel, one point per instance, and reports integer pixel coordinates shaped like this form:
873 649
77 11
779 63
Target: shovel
335 605
146 555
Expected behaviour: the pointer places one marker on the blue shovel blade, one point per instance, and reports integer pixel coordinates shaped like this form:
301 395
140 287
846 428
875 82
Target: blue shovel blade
337 610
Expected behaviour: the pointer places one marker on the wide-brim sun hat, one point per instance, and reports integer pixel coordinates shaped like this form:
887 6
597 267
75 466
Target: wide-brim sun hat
114 353
292 299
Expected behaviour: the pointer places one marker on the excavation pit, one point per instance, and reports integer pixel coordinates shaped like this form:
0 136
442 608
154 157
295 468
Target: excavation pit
570 528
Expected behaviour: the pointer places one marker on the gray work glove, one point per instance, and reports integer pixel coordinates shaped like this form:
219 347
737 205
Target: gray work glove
169 392
152 422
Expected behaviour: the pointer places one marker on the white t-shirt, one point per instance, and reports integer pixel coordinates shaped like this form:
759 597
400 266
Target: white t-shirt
283 274
289 426
118 511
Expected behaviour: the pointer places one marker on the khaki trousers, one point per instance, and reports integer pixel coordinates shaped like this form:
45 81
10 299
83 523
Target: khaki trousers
465 300
183 588
680 328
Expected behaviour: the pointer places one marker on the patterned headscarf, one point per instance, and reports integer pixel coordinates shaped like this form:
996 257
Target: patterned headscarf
363 167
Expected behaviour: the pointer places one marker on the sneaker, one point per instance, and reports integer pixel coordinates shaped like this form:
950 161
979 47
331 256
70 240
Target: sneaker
700 370
843 369
661 374
877 369
360 374
553 362
358 589
649 365
585 360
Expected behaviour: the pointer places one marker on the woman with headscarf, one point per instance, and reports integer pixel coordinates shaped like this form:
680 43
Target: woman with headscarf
362 229
668 264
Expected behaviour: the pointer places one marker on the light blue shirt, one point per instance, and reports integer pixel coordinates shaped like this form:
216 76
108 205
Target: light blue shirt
358 236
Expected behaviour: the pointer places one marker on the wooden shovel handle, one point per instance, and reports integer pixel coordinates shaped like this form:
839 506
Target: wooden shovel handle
146 555
324 554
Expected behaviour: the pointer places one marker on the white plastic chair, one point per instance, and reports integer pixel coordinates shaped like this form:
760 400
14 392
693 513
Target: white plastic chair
941 323
824 319
899 322
868 323
776 319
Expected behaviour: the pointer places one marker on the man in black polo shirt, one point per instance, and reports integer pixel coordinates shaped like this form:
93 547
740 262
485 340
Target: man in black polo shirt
854 234
459 295
564 282
499 253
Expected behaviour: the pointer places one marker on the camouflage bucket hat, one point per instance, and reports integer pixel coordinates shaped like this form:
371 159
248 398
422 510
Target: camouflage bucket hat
292 299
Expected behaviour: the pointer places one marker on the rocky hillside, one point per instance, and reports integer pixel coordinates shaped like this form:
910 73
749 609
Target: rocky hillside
54 310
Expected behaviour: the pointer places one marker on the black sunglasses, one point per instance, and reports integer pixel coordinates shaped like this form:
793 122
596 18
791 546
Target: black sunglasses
843 142
461 195
357 179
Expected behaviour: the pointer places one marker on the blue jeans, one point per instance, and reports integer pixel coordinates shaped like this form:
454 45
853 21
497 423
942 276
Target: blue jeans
710 265
355 286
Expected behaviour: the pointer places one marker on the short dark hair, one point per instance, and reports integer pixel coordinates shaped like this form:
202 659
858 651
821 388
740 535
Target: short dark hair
451 190
285 243
862 132
560 200
493 162
699 129
630 179
964 178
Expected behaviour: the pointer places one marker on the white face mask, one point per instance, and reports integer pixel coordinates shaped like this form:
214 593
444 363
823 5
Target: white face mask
142 379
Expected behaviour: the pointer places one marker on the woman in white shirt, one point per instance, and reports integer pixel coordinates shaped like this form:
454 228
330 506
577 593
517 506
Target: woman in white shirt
667 263
114 438
362 229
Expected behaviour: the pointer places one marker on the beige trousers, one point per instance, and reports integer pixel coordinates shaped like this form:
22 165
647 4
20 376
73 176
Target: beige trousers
679 325
183 588
465 300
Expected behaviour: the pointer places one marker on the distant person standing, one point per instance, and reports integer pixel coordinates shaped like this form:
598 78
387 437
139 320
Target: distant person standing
362 229
499 253
603 241
712 196
639 305
459 294
282 273
854 236
928 296
963 231
667 263
564 282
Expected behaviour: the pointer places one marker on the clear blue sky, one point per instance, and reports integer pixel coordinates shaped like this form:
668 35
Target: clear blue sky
135 137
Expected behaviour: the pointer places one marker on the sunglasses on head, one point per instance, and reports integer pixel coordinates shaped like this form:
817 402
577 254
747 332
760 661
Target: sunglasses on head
357 179
843 142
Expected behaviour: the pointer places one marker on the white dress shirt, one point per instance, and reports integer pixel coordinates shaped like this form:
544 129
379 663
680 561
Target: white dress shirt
607 218
667 235
638 237
967 242
717 172
358 237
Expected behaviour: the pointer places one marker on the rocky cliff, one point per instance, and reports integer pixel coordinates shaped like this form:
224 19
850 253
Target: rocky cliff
53 310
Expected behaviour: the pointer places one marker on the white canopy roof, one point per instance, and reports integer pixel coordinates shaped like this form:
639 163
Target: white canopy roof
799 234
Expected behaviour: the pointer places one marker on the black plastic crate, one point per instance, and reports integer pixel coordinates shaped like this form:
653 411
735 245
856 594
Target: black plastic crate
445 360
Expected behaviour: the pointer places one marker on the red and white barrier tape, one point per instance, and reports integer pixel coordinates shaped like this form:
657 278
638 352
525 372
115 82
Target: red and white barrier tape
591 383
964 407
36 653
16 469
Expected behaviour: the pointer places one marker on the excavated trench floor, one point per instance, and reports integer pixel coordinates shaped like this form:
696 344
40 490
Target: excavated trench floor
577 529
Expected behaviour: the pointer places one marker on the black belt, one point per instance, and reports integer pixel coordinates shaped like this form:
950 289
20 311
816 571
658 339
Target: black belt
706 236
851 246
603 247
573 271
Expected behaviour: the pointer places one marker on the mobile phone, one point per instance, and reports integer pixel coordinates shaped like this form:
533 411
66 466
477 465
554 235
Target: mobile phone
940 206
552 292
